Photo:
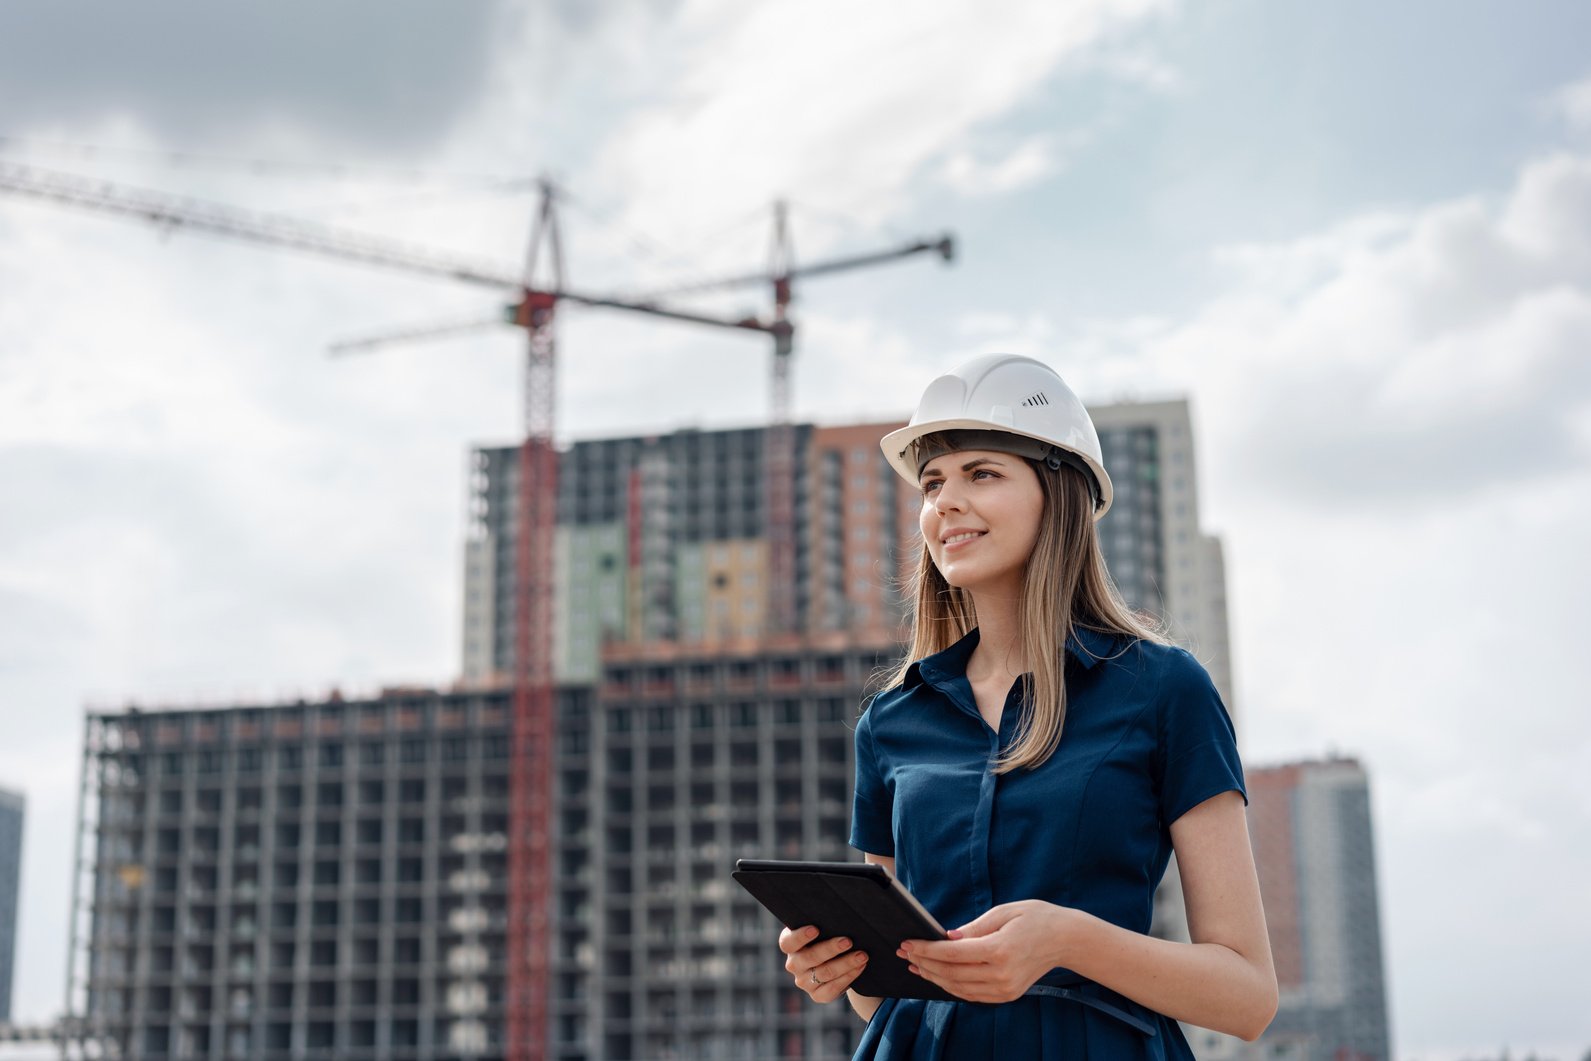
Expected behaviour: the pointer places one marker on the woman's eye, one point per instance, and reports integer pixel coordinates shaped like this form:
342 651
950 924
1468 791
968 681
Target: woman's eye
929 486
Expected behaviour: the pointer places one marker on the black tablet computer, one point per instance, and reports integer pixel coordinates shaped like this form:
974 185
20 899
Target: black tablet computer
855 899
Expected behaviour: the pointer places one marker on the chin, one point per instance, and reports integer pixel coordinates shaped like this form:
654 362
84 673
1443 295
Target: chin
1001 582
968 581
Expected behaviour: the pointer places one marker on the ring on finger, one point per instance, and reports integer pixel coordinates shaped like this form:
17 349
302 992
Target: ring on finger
815 981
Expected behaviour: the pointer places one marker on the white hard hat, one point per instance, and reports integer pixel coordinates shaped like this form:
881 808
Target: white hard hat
1027 408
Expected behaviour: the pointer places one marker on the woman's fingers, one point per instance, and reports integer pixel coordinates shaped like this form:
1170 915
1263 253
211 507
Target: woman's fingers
802 954
823 969
793 939
974 982
943 972
952 952
828 981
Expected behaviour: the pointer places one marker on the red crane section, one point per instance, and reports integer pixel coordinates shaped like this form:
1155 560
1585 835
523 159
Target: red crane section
531 776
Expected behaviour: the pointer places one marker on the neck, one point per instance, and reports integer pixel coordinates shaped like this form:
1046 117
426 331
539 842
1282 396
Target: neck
1000 645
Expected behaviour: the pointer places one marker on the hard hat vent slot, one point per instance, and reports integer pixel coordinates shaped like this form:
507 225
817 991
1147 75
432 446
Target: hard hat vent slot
1036 399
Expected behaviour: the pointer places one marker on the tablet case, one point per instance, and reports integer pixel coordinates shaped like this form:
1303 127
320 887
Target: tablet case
859 900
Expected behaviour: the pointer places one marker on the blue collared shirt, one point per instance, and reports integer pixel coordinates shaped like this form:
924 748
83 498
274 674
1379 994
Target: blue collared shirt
1145 739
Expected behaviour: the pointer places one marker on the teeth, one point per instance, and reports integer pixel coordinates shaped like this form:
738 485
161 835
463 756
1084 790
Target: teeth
953 539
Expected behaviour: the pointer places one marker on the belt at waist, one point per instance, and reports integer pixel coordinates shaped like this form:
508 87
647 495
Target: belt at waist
1096 996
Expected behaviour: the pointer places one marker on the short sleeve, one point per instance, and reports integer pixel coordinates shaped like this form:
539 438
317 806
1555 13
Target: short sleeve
872 808
1198 747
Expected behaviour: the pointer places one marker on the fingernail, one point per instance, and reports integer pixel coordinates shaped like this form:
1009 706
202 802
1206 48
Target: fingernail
915 971
843 942
905 948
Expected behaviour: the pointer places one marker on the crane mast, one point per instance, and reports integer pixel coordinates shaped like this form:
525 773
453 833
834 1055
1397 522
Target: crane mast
531 768
784 617
534 709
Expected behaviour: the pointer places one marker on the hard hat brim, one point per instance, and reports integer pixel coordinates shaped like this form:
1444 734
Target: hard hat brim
897 447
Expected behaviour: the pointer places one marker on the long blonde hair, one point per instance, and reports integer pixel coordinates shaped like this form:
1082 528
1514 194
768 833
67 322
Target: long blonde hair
1066 587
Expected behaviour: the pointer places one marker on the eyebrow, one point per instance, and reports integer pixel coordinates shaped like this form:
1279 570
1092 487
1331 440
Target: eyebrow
967 467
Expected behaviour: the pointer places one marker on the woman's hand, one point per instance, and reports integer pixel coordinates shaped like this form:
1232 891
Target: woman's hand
998 956
823 970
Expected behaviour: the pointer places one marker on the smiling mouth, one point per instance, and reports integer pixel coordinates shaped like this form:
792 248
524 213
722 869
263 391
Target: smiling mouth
956 539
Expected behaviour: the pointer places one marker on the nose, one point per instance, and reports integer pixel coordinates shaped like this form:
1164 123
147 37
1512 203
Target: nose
948 498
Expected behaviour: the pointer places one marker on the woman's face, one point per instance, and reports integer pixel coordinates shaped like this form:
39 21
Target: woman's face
980 518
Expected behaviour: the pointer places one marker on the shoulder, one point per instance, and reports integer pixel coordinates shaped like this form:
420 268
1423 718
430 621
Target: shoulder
882 723
1186 706
885 703
1167 685
1172 667
1175 665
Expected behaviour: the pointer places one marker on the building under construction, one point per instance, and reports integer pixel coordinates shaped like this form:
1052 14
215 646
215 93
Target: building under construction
328 879
332 879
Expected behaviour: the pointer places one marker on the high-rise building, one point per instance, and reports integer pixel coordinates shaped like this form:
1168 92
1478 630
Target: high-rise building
329 880
663 538
1153 539
13 807
1315 851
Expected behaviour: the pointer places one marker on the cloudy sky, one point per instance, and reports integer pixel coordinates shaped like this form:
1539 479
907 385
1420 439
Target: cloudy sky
1356 235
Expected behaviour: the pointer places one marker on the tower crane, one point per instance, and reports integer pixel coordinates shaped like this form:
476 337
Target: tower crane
532 766
780 453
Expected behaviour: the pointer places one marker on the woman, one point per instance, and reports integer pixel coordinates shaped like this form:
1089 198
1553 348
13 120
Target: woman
1035 762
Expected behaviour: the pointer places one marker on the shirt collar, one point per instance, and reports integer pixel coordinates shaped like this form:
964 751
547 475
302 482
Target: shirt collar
1086 646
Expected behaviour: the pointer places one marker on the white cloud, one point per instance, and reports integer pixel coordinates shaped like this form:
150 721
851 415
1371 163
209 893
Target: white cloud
1140 68
1032 333
772 100
1029 162
1396 359
1301 265
1572 104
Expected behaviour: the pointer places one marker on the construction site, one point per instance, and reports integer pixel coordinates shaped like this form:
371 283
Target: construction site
666 641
